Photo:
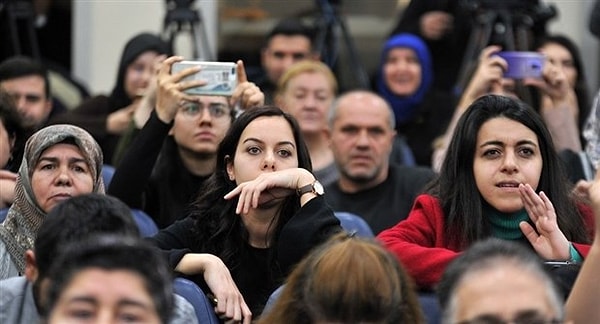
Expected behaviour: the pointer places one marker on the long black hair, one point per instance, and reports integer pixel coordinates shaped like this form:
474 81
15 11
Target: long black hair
135 47
456 188
218 229
580 87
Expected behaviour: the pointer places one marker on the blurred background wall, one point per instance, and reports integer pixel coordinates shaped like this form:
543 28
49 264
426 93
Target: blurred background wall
236 28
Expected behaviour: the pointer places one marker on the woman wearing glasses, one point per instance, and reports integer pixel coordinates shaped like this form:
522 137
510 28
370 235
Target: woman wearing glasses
175 151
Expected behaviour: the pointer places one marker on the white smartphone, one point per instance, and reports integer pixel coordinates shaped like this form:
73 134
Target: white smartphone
221 77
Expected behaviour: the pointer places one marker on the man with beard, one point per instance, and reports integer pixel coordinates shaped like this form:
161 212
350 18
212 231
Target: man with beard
362 133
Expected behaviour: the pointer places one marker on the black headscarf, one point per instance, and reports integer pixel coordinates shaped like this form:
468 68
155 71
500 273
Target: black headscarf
134 48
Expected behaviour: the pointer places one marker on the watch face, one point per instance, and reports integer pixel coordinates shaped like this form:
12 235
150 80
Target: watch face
318 187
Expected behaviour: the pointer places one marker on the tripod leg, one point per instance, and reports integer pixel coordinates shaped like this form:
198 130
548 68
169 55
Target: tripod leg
323 41
196 50
14 36
22 12
359 71
509 36
208 54
478 40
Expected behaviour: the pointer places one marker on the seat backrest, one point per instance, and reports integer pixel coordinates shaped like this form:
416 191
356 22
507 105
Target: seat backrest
272 299
107 173
402 154
145 223
431 307
192 293
354 223
3 213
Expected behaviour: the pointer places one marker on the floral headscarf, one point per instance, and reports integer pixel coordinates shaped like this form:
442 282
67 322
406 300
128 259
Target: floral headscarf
25 216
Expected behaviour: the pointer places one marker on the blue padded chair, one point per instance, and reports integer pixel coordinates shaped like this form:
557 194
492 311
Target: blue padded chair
192 293
402 153
354 223
3 213
107 173
272 299
431 307
145 224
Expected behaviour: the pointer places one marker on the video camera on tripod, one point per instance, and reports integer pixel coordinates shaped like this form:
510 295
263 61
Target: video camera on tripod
182 17
512 24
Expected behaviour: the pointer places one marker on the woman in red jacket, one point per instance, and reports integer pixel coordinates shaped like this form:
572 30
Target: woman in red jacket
501 178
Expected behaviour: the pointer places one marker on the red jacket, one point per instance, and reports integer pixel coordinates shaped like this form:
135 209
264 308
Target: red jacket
419 243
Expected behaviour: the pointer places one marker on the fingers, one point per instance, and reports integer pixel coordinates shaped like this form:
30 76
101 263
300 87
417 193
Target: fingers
233 309
488 51
247 94
529 202
246 313
241 72
529 232
7 175
165 67
549 208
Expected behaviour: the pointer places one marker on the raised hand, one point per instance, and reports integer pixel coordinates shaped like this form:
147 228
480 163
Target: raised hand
490 70
170 93
246 93
435 24
546 238
118 121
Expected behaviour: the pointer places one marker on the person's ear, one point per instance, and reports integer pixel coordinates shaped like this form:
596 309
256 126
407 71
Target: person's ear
31 270
229 167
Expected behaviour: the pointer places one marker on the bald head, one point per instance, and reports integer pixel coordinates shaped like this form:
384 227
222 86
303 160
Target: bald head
368 100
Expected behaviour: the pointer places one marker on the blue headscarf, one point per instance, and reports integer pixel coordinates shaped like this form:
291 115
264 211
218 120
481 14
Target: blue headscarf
405 106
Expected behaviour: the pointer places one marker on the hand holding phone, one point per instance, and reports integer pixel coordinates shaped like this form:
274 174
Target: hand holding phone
221 77
523 65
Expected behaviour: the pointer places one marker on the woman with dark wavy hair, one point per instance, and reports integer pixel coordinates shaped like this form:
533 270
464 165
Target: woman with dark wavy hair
501 178
258 215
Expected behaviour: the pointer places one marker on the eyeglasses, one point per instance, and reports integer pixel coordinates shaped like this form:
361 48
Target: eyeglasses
521 319
216 110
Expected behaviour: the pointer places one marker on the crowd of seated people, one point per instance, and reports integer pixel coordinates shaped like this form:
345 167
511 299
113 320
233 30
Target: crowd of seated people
244 193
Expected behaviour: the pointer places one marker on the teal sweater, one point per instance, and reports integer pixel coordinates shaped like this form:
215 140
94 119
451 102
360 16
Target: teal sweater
506 226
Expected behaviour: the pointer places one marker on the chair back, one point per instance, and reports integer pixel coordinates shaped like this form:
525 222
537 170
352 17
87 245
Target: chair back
353 223
3 213
145 223
192 293
107 173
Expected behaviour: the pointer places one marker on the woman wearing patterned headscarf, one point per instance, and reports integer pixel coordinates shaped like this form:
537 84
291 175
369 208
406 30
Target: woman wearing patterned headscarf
59 162
108 117
405 79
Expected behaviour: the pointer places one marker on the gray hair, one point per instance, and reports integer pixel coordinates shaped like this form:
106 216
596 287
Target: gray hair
488 255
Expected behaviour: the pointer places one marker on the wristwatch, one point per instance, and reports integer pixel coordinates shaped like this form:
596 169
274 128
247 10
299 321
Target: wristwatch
316 187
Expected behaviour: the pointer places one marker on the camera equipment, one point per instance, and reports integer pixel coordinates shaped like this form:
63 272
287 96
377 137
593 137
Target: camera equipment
509 23
328 26
19 13
181 17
